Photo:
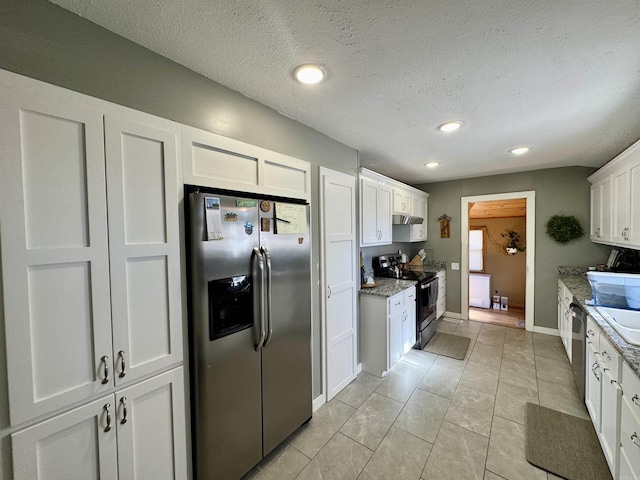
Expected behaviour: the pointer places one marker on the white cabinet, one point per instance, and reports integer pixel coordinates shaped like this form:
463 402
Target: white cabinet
416 232
401 201
215 161
89 303
441 305
593 372
564 317
375 212
139 432
609 433
387 329
601 211
630 426
91 274
623 174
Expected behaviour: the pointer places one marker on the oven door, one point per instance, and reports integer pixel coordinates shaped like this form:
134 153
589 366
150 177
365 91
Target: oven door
428 299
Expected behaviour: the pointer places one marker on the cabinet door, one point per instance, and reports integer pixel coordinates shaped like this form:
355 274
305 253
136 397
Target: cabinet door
368 212
151 429
78 444
395 337
601 211
610 419
383 215
401 202
620 186
55 271
409 324
633 234
593 374
144 245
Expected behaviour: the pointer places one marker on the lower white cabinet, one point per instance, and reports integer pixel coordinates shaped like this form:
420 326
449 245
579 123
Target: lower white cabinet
593 374
441 305
610 404
630 426
564 317
137 432
387 330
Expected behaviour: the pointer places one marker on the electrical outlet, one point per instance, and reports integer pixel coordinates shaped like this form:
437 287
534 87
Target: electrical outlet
455 266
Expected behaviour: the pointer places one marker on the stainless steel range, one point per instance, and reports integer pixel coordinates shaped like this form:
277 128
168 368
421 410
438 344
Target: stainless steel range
390 265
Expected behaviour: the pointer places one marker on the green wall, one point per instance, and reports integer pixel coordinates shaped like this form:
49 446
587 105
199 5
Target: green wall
558 191
45 42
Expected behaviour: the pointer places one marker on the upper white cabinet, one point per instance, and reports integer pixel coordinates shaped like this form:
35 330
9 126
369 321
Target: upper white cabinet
90 246
615 200
601 209
401 201
380 198
415 232
215 161
375 211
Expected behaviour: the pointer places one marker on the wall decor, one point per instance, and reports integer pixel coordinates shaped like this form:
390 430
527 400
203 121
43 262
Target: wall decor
564 228
444 225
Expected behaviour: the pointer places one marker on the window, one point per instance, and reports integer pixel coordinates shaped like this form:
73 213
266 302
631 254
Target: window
477 236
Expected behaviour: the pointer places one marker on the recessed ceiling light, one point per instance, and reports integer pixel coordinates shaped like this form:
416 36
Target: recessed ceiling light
431 164
309 74
450 126
520 150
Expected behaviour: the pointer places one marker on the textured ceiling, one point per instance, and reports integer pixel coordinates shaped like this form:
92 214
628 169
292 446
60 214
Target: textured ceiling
560 76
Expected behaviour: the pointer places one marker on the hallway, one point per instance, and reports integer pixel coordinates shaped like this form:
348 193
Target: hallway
433 417
514 317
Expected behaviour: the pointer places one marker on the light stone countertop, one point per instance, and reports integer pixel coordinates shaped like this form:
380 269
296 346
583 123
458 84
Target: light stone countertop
581 290
387 287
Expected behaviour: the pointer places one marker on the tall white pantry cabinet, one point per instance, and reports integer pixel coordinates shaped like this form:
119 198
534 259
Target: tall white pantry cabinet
91 286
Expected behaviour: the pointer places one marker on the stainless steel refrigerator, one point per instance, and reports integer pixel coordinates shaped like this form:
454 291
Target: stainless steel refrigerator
250 328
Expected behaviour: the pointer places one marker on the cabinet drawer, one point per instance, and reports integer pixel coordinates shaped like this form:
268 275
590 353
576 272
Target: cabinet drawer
609 358
409 296
395 303
630 438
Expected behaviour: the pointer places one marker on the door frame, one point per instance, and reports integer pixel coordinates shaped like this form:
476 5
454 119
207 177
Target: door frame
530 197
323 287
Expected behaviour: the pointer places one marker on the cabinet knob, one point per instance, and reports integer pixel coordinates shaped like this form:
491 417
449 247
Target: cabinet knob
636 400
634 439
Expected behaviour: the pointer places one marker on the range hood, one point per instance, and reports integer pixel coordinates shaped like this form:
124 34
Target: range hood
406 220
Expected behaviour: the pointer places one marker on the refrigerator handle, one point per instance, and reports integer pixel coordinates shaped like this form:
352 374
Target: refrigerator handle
260 275
267 258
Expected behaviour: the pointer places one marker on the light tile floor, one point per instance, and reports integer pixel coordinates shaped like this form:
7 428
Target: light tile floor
433 417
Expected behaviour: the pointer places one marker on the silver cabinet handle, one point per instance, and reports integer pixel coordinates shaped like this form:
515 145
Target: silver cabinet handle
267 261
329 288
104 360
606 355
122 364
634 439
595 367
256 252
123 402
636 400
106 409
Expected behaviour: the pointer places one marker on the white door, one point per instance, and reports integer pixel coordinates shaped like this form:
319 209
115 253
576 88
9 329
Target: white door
151 428
78 444
55 267
339 278
143 245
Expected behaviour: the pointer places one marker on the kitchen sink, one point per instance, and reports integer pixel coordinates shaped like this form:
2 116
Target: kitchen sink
625 322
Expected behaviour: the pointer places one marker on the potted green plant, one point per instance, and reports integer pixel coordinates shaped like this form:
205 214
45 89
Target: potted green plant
513 239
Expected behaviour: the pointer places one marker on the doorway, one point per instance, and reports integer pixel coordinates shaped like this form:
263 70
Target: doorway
487 265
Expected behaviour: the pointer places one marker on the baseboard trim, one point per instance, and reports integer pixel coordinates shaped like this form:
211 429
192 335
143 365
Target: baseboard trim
358 368
457 316
546 331
318 402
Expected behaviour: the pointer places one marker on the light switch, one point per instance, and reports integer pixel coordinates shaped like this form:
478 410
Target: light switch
455 266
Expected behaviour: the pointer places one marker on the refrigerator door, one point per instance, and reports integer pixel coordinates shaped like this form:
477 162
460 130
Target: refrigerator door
286 357
226 368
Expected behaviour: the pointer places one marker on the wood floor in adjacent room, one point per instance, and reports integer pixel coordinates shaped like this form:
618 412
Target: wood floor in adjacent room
514 317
